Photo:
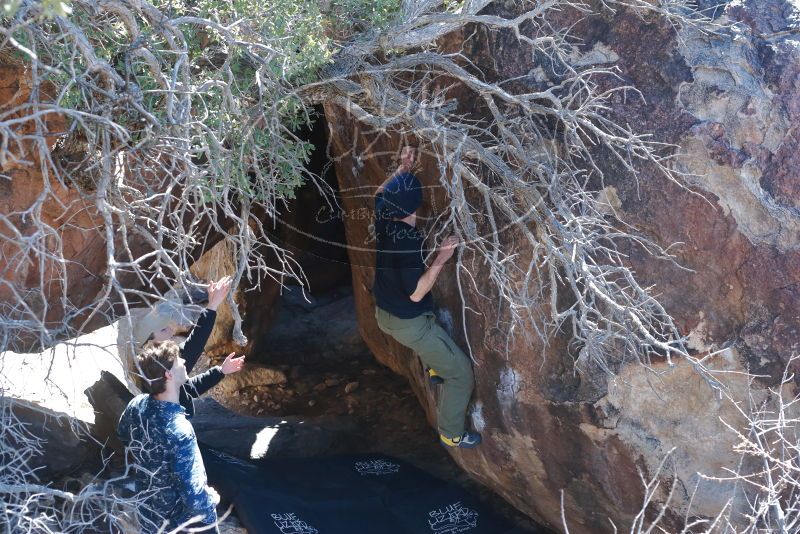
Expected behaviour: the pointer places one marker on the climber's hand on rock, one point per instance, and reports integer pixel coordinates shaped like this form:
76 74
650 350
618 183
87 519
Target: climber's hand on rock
447 248
231 364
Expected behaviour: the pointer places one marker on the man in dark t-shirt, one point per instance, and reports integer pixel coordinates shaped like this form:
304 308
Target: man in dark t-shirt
403 300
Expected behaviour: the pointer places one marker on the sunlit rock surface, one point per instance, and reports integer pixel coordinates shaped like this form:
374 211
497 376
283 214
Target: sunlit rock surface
730 102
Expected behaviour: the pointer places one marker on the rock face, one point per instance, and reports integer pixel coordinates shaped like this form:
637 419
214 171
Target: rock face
730 102
21 188
70 397
270 319
63 443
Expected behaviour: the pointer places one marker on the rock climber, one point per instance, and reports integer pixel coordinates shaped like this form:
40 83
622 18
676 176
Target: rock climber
403 300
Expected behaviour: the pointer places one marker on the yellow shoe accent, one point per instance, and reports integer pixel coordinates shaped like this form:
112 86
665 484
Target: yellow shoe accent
468 440
434 377
450 442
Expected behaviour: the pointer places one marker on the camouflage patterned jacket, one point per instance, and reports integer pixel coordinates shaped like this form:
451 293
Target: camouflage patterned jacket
169 472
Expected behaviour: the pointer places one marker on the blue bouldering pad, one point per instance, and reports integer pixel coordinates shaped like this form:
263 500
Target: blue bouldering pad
361 494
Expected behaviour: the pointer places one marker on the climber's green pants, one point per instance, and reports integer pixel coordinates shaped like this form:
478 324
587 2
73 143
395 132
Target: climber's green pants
437 351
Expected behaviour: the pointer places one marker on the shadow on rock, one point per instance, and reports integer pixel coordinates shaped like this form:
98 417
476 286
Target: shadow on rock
271 437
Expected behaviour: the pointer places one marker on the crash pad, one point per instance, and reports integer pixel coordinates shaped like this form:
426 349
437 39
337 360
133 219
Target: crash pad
346 495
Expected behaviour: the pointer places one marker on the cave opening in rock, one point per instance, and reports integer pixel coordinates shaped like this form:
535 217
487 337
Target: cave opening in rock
312 360
313 388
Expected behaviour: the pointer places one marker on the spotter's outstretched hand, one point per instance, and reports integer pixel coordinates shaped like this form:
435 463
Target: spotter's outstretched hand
231 364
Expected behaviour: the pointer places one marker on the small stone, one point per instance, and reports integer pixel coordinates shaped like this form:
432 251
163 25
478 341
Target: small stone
260 411
255 398
320 387
331 382
311 403
351 387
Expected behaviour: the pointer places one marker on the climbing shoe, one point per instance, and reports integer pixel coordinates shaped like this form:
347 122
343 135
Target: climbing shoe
466 441
434 378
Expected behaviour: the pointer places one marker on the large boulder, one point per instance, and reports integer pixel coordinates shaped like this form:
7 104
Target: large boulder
730 102
69 398
54 443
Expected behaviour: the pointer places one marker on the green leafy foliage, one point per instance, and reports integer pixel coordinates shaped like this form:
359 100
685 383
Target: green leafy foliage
260 153
241 126
366 14
297 25
49 8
